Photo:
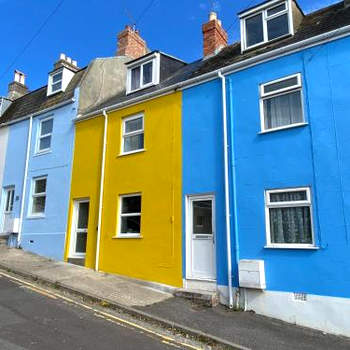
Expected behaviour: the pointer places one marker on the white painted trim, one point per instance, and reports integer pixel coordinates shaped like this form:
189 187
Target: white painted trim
120 215
102 181
155 59
25 179
73 229
33 195
259 8
133 133
38 151
290 126
265 18
189 224
324 313
279 92
293 204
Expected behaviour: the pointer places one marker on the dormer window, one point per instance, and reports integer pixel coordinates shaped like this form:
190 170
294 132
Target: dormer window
266 23
57 82
142 73
60 77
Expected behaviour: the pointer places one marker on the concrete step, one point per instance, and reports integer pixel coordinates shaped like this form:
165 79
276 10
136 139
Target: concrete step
3 240
199 297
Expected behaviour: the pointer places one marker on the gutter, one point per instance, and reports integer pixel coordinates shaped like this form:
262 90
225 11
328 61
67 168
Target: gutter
100 207
24 186
235 67
61 104
227 190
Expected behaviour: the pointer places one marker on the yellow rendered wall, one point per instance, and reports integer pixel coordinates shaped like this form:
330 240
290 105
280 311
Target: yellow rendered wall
156 174
86 179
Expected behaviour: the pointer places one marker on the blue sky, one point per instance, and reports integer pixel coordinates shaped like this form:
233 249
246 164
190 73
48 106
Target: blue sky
86 29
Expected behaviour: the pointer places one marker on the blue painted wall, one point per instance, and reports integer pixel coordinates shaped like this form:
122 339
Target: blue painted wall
44 235
203 160
317 155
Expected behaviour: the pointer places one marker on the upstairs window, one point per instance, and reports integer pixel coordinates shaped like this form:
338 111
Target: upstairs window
133 134
45 135
281 103
265 25
55 82
143 73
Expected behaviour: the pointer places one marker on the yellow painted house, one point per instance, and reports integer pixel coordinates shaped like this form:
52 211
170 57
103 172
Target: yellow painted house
125 213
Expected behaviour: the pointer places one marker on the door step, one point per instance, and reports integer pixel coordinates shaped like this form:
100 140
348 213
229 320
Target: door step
199 297
3 240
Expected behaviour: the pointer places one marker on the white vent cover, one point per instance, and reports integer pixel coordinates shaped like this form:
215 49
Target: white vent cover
252 274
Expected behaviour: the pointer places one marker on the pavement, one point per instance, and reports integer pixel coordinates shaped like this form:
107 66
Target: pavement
235 330
29 320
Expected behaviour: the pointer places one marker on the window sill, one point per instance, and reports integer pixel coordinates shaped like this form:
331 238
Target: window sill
298 125
292 246
37 154
128 236
132 152
35 217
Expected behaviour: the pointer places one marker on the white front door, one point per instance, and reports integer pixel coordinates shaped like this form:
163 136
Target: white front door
79 229
201 259
7 215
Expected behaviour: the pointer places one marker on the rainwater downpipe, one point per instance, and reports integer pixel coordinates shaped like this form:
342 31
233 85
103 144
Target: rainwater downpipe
24 186
102 178
227 190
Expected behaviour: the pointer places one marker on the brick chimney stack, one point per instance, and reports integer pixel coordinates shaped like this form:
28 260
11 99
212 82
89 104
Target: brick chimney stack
130 43
65 61
17 88
214 36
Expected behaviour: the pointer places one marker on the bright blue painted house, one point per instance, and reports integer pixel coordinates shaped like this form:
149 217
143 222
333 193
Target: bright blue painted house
283 94
36 176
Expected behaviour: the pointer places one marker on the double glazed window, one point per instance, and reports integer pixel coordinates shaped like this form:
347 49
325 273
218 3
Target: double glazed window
133 134
56 82
281 103
45 135
38 199
143 74
266 25
288 218
130 215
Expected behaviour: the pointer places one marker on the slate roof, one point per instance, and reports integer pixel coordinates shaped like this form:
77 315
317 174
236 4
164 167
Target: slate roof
316 23
37 100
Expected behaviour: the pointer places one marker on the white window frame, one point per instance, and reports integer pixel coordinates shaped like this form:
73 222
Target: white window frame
264 96
291 204
51 83
155 59
132 133
263 10
120 215
35 195
39 136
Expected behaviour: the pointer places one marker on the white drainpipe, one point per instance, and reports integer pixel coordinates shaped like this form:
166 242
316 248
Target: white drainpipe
227 190
24 186
100 208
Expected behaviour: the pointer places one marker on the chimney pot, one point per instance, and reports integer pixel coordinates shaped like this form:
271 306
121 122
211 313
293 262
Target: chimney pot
65 61
17 88
130 43
214 36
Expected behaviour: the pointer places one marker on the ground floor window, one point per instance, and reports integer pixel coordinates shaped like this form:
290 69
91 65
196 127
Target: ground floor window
289 217
38 199
130 215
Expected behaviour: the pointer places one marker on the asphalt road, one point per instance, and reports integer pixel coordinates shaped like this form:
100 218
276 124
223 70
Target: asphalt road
31 321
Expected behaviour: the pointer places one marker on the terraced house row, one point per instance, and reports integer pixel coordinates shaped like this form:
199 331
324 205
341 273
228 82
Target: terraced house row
230 174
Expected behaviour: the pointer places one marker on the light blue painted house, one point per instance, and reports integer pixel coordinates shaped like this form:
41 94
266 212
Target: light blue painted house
36 176
281 202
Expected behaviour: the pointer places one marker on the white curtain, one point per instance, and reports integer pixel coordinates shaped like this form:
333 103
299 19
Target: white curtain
283 110
290 225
